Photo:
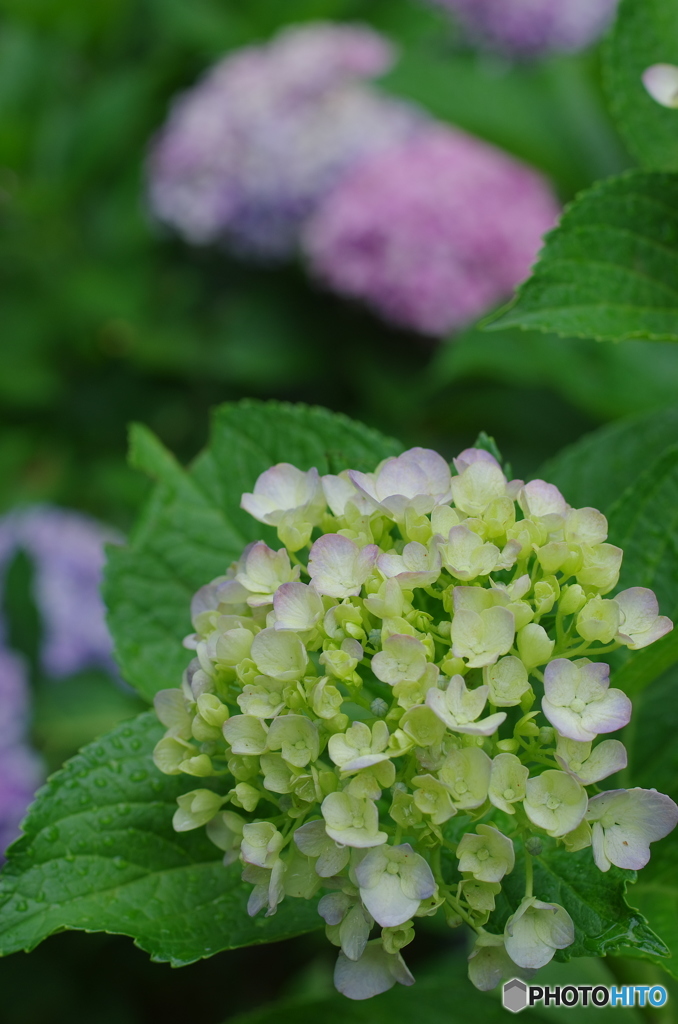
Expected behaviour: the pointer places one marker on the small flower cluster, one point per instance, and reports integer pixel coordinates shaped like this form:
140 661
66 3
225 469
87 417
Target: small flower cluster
533 28
249 151
370 694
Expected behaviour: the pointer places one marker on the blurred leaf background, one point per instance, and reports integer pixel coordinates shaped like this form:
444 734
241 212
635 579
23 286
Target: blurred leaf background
106 317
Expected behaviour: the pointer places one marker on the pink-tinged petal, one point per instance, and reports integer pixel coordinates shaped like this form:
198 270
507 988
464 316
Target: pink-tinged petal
566 722
604 760
485 727
609 714
641 623
594 680
585 526
537 498
655 813
471 455
560 682
338 567
297 607
339 490
365 484
400 476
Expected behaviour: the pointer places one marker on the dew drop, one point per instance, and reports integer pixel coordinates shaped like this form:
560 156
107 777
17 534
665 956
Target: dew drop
51 834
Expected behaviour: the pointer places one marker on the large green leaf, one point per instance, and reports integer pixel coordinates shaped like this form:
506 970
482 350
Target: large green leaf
646 33
607 381
100 854
609 270
644 523
595 900
597 469
193 527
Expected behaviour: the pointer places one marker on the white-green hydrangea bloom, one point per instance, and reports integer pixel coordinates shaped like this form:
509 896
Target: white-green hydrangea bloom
578 700
624 823
508 778
466 774
375 972
336 706
296 737
262 571
393 880
289 499
489 963
641 624
261 844
536 930
506 681
599 620
432 798
313 840
458 708
402 660
419 565
488 856
481 629
555 802
359 747
352 821
338 566
589 766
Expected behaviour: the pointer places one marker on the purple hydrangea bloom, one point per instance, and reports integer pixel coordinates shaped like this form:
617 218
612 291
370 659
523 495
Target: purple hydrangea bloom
247 153
21 770
67 552
433 233
530 28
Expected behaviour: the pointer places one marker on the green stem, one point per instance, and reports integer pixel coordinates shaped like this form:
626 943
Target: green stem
529 874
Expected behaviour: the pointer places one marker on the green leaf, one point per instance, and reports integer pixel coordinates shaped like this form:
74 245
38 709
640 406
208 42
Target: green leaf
100 854
597 469
595 900
646 33
644 523
609 270
653 764
656 896
607 381
193 527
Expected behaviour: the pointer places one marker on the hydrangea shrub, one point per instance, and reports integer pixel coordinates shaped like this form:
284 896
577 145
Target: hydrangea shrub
406 703
248 152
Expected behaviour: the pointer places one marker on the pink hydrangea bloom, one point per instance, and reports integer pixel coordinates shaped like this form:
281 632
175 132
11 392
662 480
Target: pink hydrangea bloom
248 151
434 232
530 28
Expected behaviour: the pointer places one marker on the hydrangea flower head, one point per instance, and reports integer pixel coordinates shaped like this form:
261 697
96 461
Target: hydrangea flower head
67 552
433 232
248 152
532 28
345 696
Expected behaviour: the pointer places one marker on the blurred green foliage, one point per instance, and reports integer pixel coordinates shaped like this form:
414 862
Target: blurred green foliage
105 318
